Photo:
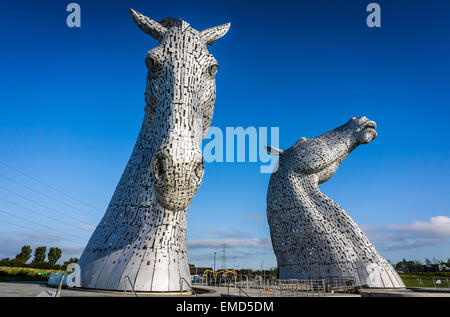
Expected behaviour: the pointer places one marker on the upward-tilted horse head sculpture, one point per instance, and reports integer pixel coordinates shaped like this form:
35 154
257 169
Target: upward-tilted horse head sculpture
312 236
142 237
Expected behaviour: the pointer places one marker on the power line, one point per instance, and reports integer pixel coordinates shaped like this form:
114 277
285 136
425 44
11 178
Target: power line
39 213
26 228
35 231
49 186
37 203
39 224
224 258
45 195
36 223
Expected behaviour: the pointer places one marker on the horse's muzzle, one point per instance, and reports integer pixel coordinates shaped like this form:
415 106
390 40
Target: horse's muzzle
176 179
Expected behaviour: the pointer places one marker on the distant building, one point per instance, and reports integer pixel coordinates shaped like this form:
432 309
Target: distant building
199 270
244 272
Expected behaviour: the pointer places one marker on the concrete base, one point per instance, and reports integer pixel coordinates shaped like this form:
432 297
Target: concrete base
34 289
415 292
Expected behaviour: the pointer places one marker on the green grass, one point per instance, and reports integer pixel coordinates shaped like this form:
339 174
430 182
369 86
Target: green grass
9 274
426 280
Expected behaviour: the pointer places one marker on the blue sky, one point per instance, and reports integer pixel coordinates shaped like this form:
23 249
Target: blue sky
72 105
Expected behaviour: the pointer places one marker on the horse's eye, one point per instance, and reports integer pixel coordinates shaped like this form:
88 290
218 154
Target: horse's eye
149 62
213 69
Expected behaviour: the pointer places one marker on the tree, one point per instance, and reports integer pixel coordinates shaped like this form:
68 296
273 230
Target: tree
54 254
66 263
274 272
4 262
25 254
417 267
39 254
71 260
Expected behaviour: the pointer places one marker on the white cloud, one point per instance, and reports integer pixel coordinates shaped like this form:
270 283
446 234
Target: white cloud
436 227
418 234
256 218
69 252
222 234
87 227
242 249
415 244
230 243
42 237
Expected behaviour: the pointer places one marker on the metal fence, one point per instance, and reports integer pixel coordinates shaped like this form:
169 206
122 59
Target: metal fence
341 281
299 288
271 288
426 281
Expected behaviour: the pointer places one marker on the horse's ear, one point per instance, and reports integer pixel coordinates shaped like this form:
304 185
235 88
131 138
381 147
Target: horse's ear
273 150
152 28
213 34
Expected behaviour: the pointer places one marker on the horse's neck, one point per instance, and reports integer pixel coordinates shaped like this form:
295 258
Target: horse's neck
311 199
329 213
135 190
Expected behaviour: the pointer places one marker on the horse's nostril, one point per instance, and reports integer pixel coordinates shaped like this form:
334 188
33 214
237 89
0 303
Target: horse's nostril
158 168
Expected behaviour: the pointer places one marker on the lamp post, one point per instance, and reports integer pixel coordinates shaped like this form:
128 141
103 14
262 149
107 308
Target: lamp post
214 269
262 271
196 272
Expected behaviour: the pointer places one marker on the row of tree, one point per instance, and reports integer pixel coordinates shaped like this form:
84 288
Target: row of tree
416 266
40 254
54 254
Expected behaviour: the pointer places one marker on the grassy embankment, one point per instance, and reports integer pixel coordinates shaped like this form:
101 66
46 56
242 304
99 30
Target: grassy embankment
426 279
24 274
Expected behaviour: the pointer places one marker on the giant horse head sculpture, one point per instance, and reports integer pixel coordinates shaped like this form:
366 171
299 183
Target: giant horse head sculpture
320 157
180 96
142 236
312 236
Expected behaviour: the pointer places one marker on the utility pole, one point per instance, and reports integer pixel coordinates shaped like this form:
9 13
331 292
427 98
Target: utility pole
262 270
196 272
224 258
214 269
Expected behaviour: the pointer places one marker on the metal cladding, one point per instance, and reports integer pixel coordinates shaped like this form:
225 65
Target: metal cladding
312 236
141 239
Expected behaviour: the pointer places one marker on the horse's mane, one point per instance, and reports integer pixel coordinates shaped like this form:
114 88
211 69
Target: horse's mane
169 22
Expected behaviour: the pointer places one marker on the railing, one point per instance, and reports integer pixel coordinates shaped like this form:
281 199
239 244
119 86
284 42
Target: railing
182 279
341 281
132 287
58 291
412 280
295 288
280 288
240 289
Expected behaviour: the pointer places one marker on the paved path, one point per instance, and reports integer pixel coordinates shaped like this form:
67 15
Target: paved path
32 289
416 292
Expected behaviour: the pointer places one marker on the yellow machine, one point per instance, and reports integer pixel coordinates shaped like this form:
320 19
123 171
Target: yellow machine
223 273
